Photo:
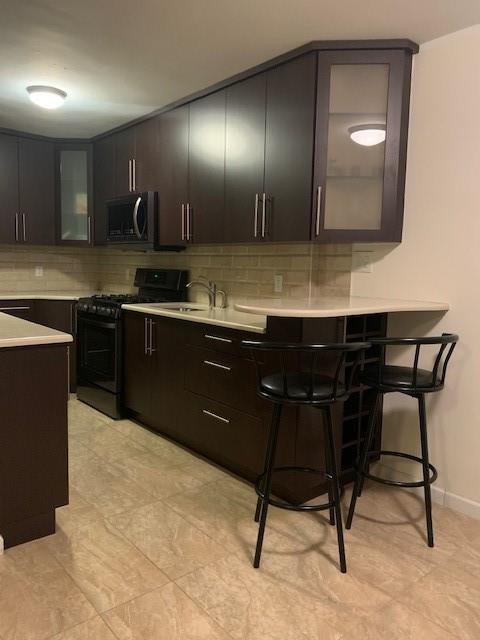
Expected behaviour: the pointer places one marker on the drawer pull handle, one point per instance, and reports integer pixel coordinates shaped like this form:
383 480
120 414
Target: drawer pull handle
214 415
209 337
218 365
14 308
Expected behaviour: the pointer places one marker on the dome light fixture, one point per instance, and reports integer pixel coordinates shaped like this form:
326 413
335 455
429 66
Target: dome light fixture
368 135
46 97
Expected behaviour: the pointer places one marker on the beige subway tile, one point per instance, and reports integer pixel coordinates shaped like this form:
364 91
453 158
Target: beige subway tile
275 262
221 261
245 261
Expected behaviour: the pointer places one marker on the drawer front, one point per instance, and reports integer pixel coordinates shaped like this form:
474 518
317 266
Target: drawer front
227 436
19 308
219 338
222 377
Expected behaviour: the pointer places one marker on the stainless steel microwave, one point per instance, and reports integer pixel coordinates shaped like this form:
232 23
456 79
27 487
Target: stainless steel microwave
131 220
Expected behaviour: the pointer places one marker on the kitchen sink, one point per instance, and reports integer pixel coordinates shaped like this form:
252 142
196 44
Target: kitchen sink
184 307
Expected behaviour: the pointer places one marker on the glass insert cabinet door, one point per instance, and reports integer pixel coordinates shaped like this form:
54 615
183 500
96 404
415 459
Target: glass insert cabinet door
361 141
74 194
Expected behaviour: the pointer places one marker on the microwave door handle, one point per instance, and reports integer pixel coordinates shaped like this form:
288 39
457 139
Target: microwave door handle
135 218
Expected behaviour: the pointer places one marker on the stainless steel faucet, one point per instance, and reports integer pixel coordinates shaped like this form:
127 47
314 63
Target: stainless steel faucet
212 291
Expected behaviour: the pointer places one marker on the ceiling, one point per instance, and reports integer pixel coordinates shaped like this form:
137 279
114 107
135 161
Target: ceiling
119 59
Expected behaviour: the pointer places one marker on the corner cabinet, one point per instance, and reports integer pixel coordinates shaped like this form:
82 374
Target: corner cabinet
74 194
360 145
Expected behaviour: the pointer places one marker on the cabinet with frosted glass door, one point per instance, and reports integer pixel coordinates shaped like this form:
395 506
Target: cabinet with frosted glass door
74 195
361 141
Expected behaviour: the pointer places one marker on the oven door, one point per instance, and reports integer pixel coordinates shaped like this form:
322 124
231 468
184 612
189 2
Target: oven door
99 352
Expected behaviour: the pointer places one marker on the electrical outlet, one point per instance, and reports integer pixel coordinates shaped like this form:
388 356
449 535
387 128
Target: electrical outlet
278 283
39 272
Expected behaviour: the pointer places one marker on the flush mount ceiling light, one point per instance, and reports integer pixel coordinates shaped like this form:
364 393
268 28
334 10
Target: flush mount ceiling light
367 135
46 97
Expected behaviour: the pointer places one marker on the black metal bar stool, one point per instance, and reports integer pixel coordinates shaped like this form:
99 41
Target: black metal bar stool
300 383
414 382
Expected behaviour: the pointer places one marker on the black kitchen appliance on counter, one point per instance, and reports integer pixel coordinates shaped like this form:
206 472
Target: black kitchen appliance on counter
99 335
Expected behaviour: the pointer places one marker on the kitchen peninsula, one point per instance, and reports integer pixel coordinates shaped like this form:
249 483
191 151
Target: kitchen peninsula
33 431
187 376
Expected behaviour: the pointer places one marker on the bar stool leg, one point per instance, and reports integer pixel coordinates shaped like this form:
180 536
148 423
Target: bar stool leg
426 469
272 445
328 469
267 458
336 489
363 462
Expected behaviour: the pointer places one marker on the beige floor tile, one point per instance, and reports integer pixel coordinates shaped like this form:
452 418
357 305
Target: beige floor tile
205 471
106 567
450 595
163 614
250 605
397 622
107 489
77 513
94 629
37 597
110 445
215 509
148 471
172 543
170 453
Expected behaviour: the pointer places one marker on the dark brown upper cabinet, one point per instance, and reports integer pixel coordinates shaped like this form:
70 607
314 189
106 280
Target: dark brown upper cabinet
206 169
74 194
103 184
245 158
173 176
361 142
125 164
36 220
9 214
147 155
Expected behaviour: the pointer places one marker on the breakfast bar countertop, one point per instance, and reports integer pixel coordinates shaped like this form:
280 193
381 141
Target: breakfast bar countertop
330 306
16 332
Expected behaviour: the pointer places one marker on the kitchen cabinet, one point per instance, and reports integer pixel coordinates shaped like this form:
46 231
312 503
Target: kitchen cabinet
24 309
206 169
36 192
8 189
245 158
74 195
125 169
104 184
361 140
147 155
173 165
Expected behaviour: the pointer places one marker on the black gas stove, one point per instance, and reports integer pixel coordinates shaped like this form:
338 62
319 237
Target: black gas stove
99 335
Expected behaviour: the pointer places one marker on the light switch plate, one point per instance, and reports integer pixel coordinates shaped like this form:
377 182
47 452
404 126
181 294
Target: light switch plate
278 283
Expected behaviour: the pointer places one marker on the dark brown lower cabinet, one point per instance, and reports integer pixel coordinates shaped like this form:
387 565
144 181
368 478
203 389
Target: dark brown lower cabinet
196 384
56 314
33 440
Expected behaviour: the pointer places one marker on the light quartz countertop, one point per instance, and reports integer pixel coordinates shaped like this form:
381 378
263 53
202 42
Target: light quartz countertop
201 313
16 332
45 295
330 307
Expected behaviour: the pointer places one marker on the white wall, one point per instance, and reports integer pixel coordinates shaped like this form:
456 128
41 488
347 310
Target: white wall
439 258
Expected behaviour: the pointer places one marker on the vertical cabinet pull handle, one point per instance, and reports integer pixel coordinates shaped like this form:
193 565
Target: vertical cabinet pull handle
255 217
134 175
24 227
129 175
145 336
264 213
319 206
183 221
189 211
16 227
152 349
89 230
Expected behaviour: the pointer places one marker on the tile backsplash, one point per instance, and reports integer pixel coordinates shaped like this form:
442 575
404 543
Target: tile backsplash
307 269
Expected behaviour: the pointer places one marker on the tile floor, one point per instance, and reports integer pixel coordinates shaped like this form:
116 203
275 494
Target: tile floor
156 544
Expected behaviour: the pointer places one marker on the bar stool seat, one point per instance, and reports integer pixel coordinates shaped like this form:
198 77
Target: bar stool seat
299 387
400 378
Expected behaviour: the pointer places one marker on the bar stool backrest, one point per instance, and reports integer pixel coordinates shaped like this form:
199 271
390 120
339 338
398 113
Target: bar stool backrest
315 360
446 344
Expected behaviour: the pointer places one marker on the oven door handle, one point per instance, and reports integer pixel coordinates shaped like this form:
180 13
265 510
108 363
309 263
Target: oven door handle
135 218
96 323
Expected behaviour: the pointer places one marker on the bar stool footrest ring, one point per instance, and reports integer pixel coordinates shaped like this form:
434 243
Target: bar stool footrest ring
397 483
291 507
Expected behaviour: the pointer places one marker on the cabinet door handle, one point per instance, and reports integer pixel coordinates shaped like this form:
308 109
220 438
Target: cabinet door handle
152 349
217 365
145 336
255 217
183 221
24 227
319 206
134 175
214 415
89 230
16 227
210 337
129 175
189 221
14 308
264 213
